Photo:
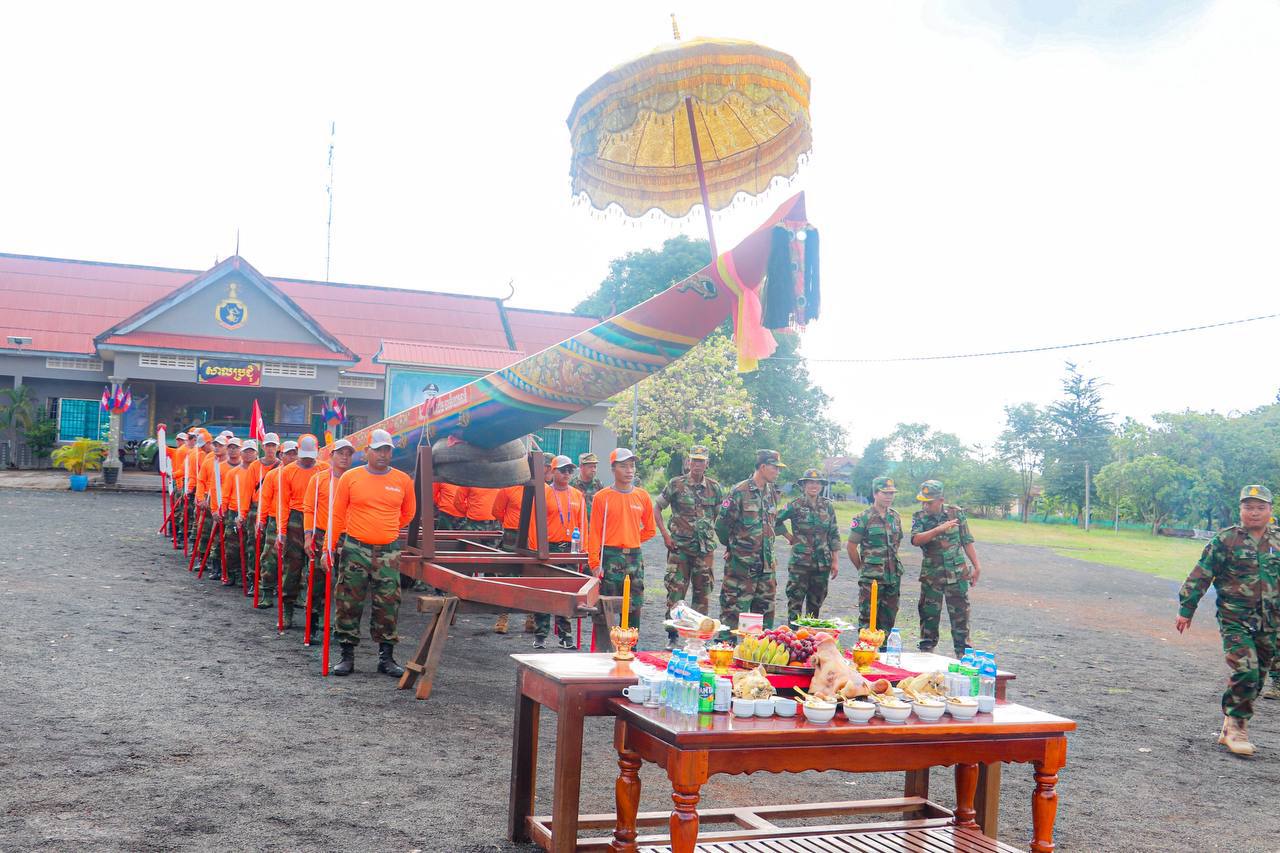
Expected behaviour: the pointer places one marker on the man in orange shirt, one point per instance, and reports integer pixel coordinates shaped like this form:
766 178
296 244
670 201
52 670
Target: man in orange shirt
191 473
566 513
271 505
230 543
621 519
176 477
317 506
451 505
207 499
479 508
293 490
506 511
259 469
372 504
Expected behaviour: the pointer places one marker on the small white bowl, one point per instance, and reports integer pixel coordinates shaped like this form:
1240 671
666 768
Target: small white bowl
744 707
764 707
894 714
819 715
784 707
859 712
929 713
962 712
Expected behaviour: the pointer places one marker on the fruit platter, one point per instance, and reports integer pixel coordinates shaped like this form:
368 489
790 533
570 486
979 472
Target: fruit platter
780 651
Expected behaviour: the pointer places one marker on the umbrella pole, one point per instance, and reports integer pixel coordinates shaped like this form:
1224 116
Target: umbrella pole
702 177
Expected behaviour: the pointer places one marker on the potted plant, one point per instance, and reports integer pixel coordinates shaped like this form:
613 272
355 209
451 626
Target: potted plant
83 454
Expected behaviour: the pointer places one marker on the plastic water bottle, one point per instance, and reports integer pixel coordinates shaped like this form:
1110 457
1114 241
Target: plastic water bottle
576 541
673 678
893 649
693 680
987 684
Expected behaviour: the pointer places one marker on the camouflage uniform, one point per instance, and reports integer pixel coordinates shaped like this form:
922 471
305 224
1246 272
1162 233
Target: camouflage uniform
364 567
944 576
542 621
745 525
817 534
588 490
231 542
878 539
203 535
295 561
268 564
1246 576
617 563
693 511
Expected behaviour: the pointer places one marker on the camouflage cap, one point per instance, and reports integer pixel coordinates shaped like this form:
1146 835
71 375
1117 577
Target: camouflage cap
587 459
812 474
769 457
930 490
1261 493
883 484
699 452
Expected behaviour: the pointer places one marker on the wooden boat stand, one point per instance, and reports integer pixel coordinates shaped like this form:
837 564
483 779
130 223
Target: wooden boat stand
472 574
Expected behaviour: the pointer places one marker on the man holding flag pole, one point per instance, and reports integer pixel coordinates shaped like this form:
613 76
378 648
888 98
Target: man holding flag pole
269 508
316 512
230 550
260 510
245 487
213 504
294 482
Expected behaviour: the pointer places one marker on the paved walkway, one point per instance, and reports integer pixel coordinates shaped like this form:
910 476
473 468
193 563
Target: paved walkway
56 480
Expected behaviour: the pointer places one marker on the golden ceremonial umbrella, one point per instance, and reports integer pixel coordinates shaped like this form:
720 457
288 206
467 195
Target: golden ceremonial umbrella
630 130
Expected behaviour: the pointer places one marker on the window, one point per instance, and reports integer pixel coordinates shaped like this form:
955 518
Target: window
357 382
289 368
355 423
168 362
82 419
57 363
569 442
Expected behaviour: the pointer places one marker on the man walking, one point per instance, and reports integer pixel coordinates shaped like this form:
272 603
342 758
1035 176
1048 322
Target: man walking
941 531
694 499
745 526
874 537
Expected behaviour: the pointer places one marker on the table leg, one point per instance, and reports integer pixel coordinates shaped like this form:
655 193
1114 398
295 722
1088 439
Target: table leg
627 801
966 787
684 820
524 765
568 772
1044 808
916 784
987 801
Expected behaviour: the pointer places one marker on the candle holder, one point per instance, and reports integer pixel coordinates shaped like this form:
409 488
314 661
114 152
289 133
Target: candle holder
624 640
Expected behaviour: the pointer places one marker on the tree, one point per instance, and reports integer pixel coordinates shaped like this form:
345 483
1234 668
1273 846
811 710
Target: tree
924 454
1152 487
874 463
1079 429
1022 444
636 276
17 414
984 485
700 399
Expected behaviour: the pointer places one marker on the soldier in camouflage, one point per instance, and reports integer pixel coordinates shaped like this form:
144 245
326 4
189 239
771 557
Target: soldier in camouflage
691 541
815 546
585 480
874 537
745 526
1243 564
941 531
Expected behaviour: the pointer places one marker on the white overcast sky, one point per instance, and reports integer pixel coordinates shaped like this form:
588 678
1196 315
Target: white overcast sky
985 175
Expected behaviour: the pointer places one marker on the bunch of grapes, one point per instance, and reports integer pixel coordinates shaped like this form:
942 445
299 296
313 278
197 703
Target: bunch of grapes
800 646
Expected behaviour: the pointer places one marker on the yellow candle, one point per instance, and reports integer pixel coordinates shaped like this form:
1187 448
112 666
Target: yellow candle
626 600
875 593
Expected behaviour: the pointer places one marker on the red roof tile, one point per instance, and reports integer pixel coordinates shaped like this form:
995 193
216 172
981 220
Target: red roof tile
534 331
441 355
235 346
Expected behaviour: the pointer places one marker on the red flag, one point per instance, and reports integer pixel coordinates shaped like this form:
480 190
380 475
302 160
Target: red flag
105 402
128 399
257 429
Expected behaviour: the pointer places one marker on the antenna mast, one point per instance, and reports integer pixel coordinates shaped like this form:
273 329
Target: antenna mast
328 230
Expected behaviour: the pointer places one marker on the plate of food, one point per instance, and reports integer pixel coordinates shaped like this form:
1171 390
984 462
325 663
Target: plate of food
780 650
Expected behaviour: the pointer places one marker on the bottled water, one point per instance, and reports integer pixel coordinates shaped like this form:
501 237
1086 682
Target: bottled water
987 683
672 684
893 649
576 541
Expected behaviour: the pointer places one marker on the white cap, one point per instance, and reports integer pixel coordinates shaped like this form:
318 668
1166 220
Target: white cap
339 445
233 442
288 445
380 438
181 435
270 438
562 462
220 439
308 447
226 433
622 454
199 436
249 444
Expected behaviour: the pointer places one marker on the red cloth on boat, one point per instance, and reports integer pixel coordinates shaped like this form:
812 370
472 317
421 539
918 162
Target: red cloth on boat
878 670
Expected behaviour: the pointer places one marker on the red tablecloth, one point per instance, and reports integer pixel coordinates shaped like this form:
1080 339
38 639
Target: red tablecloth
878 670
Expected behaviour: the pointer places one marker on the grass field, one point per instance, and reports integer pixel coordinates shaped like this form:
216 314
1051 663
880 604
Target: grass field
1128 549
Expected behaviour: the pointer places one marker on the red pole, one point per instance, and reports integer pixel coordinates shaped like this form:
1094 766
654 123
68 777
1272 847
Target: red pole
195 546
702 177
311 575
257 566
186 506
328 599
173 509
165 523
217 524
244 570
222 549
164 505
280 546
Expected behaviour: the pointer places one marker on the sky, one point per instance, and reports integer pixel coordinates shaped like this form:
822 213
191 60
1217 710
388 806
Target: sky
986 176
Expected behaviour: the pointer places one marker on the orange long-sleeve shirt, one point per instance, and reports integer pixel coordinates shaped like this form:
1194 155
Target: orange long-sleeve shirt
175 460
619 520
373 507
506 506
267 495
565 511
296 480
315 506
204 477
450 498
242 489
480 503
227 472
191 467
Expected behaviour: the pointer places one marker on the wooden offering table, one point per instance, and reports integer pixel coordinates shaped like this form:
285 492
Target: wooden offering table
694 747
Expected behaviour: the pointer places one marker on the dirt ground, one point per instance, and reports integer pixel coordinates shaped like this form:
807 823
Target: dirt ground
144 710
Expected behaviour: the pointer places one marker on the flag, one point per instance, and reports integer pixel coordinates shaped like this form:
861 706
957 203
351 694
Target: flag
117 398
335 413
128 399
105 402
257 429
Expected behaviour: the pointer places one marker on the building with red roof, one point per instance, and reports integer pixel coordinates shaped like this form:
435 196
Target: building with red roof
198 347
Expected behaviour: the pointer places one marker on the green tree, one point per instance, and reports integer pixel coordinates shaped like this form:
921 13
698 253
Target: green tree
1079 429
874 463
41 438
1154 488
1022 444
636 276
17 415
925 454
985 486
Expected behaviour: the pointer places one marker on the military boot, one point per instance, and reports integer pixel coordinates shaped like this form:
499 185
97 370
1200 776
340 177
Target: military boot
386 663
288 617
500 627
1235 736
529 625
347 665
1272 692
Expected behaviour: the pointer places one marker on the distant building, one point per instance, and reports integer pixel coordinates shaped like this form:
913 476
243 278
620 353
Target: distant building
839 468
200 347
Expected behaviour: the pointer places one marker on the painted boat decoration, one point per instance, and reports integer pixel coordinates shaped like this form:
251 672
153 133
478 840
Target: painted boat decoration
598 363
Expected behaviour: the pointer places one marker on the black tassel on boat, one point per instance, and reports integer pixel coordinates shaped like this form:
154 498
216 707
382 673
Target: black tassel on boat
780 287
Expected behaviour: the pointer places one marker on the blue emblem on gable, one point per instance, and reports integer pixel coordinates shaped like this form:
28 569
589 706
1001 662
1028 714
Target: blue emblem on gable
231 312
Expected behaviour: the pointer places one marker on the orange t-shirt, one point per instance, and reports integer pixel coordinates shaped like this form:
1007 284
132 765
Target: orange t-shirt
267 494
373 507
241 489
226 471
619 520
315 506
175 461
191 469
506 506
296 480
565 511
480 503
204 477
450 498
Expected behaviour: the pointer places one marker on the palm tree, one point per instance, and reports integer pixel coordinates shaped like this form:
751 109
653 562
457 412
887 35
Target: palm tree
17 414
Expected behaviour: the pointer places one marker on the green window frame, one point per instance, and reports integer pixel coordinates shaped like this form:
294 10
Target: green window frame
564 441
82 419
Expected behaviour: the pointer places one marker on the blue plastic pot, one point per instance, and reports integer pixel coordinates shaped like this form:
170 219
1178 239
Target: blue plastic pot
79 482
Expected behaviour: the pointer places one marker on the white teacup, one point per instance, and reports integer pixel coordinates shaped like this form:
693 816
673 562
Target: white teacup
744 707
636 693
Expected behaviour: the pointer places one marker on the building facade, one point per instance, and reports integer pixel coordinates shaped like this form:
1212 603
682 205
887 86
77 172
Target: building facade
201 347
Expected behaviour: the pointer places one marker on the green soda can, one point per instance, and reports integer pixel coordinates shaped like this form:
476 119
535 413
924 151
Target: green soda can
706 691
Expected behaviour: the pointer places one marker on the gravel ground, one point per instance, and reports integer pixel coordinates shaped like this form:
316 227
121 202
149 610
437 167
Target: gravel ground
144 710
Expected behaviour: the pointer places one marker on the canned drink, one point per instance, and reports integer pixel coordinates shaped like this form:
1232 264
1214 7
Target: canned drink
706 691
724 694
